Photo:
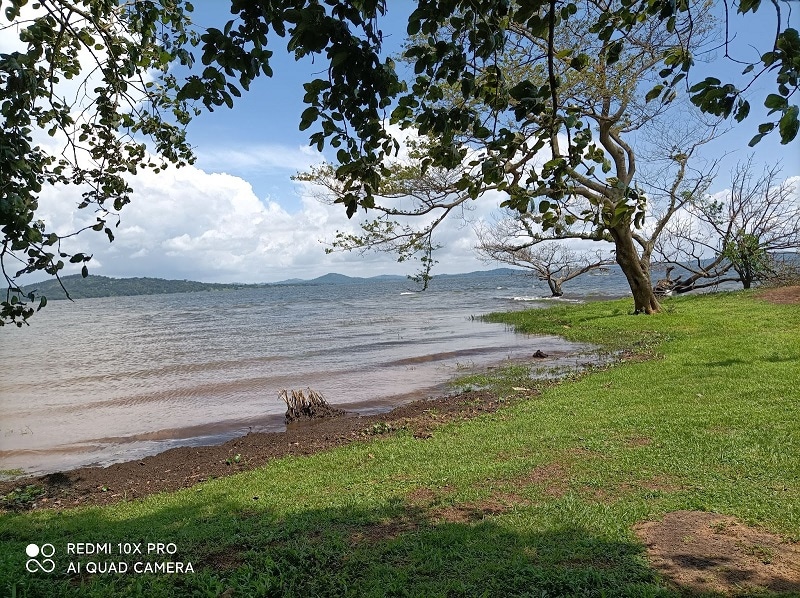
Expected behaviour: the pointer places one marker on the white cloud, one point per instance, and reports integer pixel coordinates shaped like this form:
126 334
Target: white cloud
187 223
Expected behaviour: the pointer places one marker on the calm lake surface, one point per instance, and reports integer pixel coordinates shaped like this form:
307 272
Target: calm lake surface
114 379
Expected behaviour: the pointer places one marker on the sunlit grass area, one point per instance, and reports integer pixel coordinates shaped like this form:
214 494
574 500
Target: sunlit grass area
537 499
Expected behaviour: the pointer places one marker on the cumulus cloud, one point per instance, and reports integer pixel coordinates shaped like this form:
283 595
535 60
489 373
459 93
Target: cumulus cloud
187 223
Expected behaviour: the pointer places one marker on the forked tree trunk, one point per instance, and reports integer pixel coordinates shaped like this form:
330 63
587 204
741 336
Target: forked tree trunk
644 298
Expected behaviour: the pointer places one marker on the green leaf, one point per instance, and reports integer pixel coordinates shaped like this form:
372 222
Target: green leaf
775 102
746 6
742 111
614 52
788 125
414 25
308 117
340 58
653 93
707 82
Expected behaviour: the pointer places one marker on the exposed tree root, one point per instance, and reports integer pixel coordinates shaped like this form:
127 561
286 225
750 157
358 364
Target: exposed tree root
310 406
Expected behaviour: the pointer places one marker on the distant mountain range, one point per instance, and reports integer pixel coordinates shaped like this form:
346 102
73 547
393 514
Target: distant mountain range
104 286
333 278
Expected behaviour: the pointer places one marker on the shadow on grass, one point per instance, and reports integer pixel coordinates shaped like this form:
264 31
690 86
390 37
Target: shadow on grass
735 361
396 549
722 363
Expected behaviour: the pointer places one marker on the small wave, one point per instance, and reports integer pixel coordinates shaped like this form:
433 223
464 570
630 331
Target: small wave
523 298
538 298
408 293
562 299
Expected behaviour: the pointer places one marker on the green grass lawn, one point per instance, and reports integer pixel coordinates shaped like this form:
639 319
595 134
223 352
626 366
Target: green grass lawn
537 499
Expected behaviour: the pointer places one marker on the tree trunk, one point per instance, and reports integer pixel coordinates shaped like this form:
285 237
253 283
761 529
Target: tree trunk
555 287
638 276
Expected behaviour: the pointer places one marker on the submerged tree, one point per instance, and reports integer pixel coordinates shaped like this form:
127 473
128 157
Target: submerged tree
508 242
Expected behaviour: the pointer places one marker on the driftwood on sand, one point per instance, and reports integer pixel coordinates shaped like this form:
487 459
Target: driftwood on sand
308 405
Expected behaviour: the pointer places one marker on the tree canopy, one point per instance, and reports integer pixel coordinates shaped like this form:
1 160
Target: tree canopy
131 110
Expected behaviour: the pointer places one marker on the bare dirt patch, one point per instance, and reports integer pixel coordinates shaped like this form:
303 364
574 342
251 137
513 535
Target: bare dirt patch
662 483
552 477
705 552
226 560
635 441
781 295
471 512
434 505
611 494
425 497
386 530
424 510
463 513
420 516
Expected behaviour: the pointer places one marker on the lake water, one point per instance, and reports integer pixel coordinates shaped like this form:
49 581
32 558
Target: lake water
104 380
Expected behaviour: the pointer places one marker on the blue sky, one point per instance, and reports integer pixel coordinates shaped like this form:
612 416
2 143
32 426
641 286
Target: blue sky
236 215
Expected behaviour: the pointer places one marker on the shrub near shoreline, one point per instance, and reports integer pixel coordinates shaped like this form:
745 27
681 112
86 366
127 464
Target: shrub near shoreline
538 498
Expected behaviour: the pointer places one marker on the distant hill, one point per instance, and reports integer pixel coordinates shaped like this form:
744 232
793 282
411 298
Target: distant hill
334 278
104 286
480 273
